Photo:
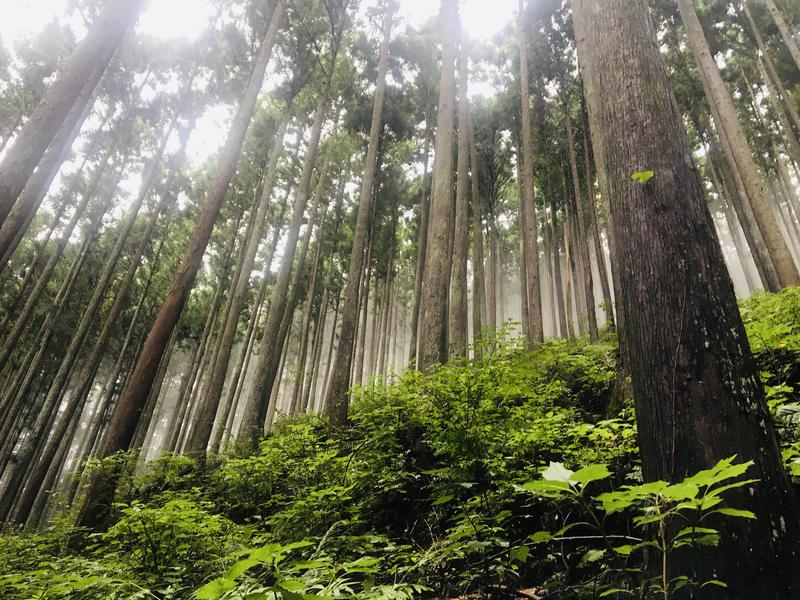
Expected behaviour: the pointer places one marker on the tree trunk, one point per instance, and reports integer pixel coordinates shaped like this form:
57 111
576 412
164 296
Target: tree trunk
786 32
336 400
557 278
210 402
422 245
436 278
535 331
54 112
23 211
594 226
728 121
458 325
478 272
135 395
696 387
581 239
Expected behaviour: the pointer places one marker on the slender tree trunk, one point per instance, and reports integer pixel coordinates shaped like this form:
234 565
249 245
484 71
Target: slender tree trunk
786 32
478 272
594 226
688 349
458 326
535 332
336 400
422 245
210 403
260 407
436 279
729 123
581 239
557 279
54 112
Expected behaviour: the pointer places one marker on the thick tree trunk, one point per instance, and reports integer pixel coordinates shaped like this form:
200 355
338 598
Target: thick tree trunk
22 213
436 279
696 387
728 122
54 112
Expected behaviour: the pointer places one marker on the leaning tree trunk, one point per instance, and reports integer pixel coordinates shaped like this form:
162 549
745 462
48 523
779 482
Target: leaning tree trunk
210 402
22 213
786 32
696 387
336 400
745 164
131 403
54 112
436 278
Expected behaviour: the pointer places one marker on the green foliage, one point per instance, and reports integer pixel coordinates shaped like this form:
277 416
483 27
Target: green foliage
642 177
672 518
481 477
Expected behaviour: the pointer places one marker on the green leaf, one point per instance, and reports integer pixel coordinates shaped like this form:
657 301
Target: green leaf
519 555
735 512
642 176
215 589
441 500
590 473
540 536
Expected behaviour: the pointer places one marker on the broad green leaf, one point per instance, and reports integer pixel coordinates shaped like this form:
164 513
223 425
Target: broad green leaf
642 176
590 473
215 589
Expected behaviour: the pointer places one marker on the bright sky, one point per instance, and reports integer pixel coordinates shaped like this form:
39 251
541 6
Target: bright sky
187 18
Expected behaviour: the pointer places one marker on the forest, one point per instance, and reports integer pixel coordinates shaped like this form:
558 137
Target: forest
373 299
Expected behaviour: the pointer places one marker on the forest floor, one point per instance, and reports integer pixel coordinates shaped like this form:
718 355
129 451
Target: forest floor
515 476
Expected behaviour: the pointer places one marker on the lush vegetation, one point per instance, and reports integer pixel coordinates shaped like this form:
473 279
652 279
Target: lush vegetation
518 472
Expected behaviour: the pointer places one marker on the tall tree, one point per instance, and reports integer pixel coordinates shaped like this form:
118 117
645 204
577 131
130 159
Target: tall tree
732 129
55 112
336 398
688 352
535 333
131 403
436 278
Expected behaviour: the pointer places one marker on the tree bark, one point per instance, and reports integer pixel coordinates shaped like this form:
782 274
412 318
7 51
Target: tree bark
696 387
535 331
436 278
786 33
458 325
